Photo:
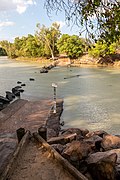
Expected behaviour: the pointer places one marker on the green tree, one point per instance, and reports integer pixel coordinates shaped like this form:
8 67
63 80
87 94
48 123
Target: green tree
28 46
2 52
5 45
31 47
99 18
9 48
101 49
73 46
49 37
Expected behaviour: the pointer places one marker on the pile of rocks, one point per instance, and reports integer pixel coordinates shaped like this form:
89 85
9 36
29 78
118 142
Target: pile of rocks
95 154
45 69
11 95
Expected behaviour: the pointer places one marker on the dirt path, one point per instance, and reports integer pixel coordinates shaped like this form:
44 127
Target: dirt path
37 164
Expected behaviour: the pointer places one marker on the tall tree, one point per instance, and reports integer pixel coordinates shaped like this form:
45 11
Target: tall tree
99 18
7 46
2 52
49 37
73 46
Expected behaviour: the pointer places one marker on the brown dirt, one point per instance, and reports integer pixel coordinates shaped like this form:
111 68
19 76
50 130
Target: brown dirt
21 113
38 164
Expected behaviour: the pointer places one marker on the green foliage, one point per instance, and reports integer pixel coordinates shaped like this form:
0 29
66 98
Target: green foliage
101 49
42 44
98 18
2 52
73 46
47 42
48 37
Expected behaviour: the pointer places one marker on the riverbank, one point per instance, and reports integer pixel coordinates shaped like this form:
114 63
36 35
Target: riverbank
109 60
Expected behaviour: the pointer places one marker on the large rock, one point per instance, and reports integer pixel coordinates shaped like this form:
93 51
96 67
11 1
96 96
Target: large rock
63 139
102 165
4 100
100 133
1 106
117 151
76 151
75 130
58 147
96 140
9 95
16 90
118 172
110 142
44 70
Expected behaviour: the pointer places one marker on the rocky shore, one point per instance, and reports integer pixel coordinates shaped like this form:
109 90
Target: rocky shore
94 154
109 60
84 60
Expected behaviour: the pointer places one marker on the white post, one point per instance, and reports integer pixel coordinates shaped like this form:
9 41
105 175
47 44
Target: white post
54 97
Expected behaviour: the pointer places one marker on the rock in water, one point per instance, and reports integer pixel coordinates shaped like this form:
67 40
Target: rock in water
4 100
9 95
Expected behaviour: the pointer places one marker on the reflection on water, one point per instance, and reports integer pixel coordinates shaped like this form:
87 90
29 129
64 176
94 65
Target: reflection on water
91 100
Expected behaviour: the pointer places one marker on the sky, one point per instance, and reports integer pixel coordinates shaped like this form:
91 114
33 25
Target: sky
19 18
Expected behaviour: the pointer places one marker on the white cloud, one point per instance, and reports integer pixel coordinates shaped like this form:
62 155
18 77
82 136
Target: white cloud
19 5
21 9
6 23
61 23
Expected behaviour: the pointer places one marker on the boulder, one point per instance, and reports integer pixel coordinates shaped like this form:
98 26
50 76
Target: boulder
84 131
44 70
23 84
77 150
58 147
21 90
99 133
96 140
1 106
16 90
102 165
31 79
17 93
63 139
9 95
117 166
80 132
4 100
72 131
110 142
118 172
19 82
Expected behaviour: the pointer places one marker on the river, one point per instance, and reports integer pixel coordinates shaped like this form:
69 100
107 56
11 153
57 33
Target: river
91 99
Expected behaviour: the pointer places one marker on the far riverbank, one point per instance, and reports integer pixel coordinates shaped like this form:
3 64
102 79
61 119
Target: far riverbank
85 60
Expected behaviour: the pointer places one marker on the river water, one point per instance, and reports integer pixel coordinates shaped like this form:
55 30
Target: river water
91 99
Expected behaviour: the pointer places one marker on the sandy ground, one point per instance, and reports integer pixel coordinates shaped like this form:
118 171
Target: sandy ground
21 113
37 164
